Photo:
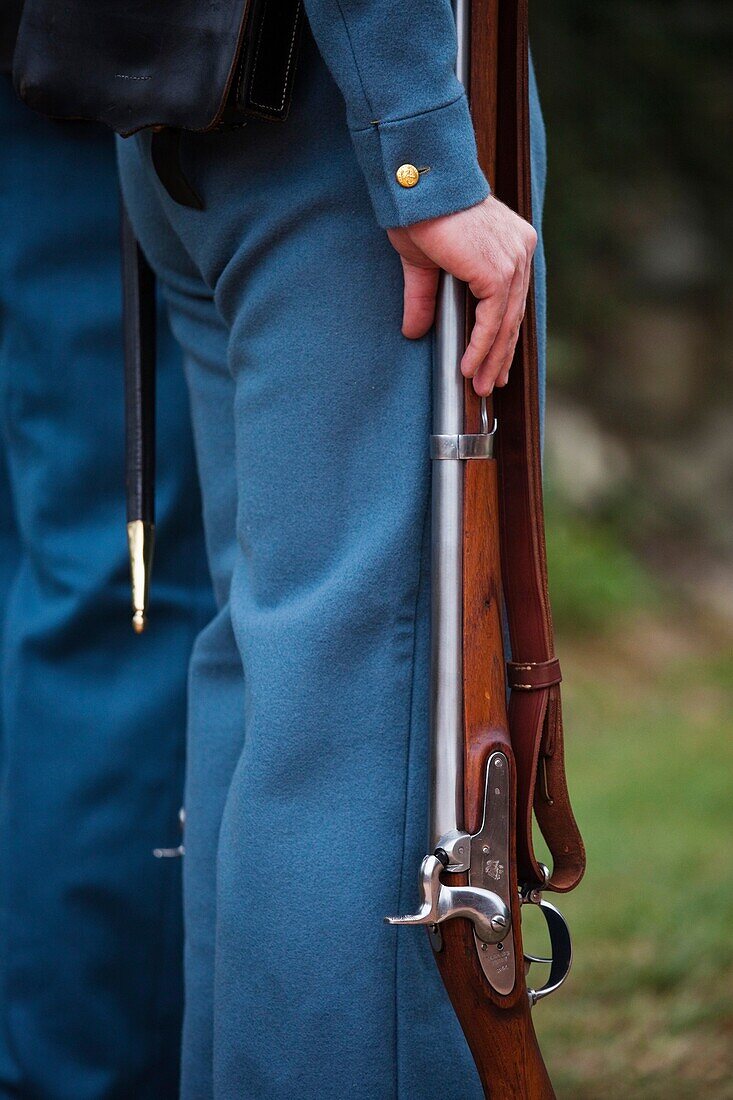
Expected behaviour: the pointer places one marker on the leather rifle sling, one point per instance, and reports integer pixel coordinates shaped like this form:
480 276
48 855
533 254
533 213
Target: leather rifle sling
535 716
139 325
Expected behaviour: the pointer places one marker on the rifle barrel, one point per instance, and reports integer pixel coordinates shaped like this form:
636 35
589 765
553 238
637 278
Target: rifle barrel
446 656
446 671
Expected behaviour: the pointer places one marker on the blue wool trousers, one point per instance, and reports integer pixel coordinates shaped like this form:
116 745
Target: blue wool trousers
307 757
92 718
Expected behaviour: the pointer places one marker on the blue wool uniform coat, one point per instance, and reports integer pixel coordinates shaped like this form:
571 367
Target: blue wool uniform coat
307 755
306 787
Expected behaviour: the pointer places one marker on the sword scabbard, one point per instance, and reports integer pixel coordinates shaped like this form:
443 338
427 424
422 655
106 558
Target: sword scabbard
139 324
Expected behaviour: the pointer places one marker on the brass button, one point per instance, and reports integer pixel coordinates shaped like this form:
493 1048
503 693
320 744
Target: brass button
407 175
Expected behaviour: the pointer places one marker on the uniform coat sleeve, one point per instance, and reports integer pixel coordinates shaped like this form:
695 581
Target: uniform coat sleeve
394 63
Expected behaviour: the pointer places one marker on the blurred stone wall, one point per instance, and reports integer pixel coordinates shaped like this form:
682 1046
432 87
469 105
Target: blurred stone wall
638 99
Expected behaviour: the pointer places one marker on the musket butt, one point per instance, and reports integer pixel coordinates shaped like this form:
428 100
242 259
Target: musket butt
140 538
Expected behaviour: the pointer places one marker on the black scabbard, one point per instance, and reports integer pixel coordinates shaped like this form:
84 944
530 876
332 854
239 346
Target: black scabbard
139 317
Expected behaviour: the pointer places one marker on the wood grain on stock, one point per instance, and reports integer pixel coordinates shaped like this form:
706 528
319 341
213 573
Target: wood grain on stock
498 1029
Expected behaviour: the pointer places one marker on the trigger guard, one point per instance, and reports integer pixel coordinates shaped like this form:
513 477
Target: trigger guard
529 959
562 952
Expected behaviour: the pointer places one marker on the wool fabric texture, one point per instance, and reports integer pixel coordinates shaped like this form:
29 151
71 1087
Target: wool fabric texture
92 718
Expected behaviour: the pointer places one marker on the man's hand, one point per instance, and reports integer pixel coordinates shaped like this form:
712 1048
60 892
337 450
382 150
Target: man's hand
490 248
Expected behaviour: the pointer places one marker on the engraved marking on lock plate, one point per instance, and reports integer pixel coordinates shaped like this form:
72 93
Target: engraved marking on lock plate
489 863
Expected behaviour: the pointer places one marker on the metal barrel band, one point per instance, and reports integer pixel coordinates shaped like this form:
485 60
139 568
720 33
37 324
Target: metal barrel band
462 446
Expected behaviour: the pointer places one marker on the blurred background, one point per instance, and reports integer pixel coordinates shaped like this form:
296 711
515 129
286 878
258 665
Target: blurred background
638 100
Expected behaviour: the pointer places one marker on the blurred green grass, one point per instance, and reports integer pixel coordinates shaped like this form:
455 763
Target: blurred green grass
595 579
648 1009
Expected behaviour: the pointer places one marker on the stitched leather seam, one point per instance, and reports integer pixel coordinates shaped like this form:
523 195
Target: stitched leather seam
269 106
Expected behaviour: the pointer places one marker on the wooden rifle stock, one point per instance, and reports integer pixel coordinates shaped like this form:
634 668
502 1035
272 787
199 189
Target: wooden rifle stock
498 1029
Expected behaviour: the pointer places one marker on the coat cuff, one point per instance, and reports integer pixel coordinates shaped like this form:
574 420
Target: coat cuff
440 143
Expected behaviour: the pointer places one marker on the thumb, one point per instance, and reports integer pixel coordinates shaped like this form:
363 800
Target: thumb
421 287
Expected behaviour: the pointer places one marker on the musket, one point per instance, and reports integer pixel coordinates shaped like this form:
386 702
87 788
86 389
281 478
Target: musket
486 758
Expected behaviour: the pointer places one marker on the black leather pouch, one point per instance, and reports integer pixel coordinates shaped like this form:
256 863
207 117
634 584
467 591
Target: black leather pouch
137 64
9 19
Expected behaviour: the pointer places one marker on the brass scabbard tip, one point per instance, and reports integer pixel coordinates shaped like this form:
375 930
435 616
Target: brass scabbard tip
140 537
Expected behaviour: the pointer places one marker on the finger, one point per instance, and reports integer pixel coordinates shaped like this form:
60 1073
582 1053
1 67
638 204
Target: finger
490 313
421 287
503 377
499 359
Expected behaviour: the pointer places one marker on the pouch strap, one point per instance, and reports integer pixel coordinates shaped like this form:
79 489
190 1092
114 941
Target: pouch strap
266 82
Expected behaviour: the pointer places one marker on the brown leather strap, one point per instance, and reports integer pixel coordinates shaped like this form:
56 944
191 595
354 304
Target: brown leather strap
535 715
